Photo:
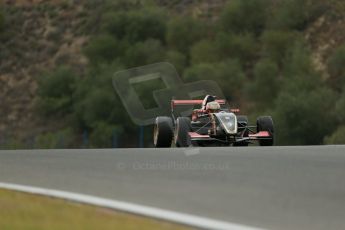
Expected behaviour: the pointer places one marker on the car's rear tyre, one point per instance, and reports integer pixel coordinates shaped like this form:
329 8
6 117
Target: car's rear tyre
265 123
242 121
183 126
163 132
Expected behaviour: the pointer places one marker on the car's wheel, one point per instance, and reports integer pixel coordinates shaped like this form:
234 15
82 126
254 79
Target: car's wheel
265 123
183 126
163 132
242 122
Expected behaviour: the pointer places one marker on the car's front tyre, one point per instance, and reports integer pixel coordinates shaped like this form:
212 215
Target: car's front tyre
183 126
265 123
163 132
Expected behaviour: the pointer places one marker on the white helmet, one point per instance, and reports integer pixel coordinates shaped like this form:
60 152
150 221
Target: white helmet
213 106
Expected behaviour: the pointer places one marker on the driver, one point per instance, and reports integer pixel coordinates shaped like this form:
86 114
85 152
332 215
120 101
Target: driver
213 107
209 105
206 100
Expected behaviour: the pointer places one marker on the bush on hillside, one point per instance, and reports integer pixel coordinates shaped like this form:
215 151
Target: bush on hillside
144 53
242 47
183 32
204 51
55 92
336 68
244 16
276 44
304 118
177 59
102 135
2 21
337 138
228 74
265 86
136 25
296 14
104 49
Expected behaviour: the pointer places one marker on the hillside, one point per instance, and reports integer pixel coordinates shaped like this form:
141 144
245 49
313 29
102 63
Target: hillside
39 36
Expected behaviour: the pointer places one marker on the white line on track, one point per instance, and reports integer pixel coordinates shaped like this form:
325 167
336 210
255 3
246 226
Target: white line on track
157 213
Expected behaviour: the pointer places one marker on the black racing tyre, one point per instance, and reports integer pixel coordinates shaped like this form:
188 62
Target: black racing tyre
163 132
242 120
265 123
183 126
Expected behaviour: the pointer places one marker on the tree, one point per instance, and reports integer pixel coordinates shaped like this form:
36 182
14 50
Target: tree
338 137
182 32
2 20
276 44
340 108
136 25
295 14
55 92
304 118
204 51
178 59
102 134
244 16
228 74
144 53
336 68
265 87
104 49
242 47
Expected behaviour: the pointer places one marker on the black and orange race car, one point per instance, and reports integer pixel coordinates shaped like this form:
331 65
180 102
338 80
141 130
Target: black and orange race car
212 125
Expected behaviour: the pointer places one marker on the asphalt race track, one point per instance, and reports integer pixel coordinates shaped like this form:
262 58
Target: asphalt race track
271 187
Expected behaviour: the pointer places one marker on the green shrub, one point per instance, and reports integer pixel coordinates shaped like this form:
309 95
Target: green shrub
55 91
2 21
178 59
51 140
276 44
296 14
104 48
340 107
247 16
336 68
227 74
298 70
101 136
304 118
338 137
198 72
97 106
12 143
136 25
144 53
203 51
265 87
95 99
242 47
182 32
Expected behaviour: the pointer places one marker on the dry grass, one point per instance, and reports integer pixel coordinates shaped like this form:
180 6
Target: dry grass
25 211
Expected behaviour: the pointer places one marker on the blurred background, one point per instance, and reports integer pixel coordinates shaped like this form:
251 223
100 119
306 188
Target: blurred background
284 58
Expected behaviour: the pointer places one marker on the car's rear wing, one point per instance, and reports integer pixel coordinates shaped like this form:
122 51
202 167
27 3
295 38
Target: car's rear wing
175 103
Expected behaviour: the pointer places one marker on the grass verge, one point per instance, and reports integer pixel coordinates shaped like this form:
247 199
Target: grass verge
25 211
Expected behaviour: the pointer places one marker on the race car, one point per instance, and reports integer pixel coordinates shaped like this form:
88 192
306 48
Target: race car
211 125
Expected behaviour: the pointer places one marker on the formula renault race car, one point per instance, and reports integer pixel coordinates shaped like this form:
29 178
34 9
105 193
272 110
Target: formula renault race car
211 125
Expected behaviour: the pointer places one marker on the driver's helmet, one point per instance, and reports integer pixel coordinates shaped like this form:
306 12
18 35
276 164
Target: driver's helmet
207 100
213 107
